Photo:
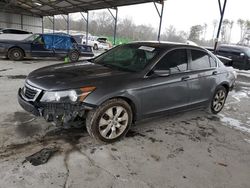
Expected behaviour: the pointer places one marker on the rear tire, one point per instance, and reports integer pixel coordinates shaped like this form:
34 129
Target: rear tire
218 100
74 56
15 54
110 121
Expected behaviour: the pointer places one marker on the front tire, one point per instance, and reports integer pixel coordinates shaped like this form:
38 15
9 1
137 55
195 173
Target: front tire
110 121
218 100
15 54
74 56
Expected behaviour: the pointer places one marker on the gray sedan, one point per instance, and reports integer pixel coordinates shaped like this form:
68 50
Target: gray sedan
126 84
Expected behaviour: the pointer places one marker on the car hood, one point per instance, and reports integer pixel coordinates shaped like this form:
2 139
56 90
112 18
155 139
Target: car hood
72 76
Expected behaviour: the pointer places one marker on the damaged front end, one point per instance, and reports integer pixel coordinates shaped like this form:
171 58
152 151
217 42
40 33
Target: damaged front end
63 108
64 114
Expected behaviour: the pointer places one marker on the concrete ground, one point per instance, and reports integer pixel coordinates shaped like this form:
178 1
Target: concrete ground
187 150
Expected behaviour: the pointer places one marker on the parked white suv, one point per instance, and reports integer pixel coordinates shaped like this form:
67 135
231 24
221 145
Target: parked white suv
99 43
94 41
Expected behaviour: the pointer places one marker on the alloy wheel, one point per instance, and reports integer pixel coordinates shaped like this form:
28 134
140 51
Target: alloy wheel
113 122
219 100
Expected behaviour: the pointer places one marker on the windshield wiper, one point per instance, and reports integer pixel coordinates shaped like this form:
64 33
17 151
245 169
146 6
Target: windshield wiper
117 68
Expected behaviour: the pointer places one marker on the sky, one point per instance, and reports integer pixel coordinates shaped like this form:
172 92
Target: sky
183 14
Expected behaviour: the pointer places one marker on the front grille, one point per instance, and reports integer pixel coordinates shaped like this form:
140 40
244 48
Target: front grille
30 93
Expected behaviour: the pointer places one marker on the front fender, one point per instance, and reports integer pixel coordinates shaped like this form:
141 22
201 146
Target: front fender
97 101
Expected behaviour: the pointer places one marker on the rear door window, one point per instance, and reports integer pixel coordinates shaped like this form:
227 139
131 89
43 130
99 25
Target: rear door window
213 62
200 60
176 61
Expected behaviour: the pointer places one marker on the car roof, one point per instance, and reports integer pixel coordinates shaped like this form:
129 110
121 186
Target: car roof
14 29
166 44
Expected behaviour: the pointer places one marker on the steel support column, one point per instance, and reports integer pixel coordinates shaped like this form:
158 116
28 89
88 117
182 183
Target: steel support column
53 23
115 19
68 23
222 11
42 25
21 21
160 13
87 25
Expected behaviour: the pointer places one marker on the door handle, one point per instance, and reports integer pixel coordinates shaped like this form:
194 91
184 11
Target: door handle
185 78
215 72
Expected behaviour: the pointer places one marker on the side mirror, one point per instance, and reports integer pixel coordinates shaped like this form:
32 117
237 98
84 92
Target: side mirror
161 73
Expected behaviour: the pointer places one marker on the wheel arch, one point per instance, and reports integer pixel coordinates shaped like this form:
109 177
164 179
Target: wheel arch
130 102
18 48
225 85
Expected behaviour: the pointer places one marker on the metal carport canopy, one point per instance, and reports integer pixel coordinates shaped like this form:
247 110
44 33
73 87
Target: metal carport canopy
55 7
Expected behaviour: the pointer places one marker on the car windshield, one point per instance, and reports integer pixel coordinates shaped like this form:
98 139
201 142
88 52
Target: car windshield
131 58
32 37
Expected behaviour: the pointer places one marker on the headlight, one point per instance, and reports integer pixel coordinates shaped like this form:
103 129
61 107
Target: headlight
68 95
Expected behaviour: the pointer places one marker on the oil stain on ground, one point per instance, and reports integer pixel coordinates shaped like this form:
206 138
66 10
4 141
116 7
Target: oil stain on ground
25 125
134 133
56 139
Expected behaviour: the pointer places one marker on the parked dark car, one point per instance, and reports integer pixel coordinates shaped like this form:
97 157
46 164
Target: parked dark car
240 55
126 84
13 31
44 45
225 60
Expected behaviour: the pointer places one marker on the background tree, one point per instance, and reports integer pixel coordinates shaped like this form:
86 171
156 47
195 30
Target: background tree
224 30
195 33
231 24
215 23
172 35
204 31
241 24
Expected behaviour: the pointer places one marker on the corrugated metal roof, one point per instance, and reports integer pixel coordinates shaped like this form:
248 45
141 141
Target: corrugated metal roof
54 7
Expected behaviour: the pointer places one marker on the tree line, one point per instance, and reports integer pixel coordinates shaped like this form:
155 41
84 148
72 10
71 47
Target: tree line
102 24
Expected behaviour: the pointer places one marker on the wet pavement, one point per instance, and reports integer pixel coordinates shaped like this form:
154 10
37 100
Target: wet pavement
192 149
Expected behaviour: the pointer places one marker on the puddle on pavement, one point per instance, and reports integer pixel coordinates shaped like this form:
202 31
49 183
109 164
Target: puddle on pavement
3 70
16 77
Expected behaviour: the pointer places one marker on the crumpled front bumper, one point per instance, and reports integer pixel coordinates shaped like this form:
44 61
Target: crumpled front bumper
56 112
